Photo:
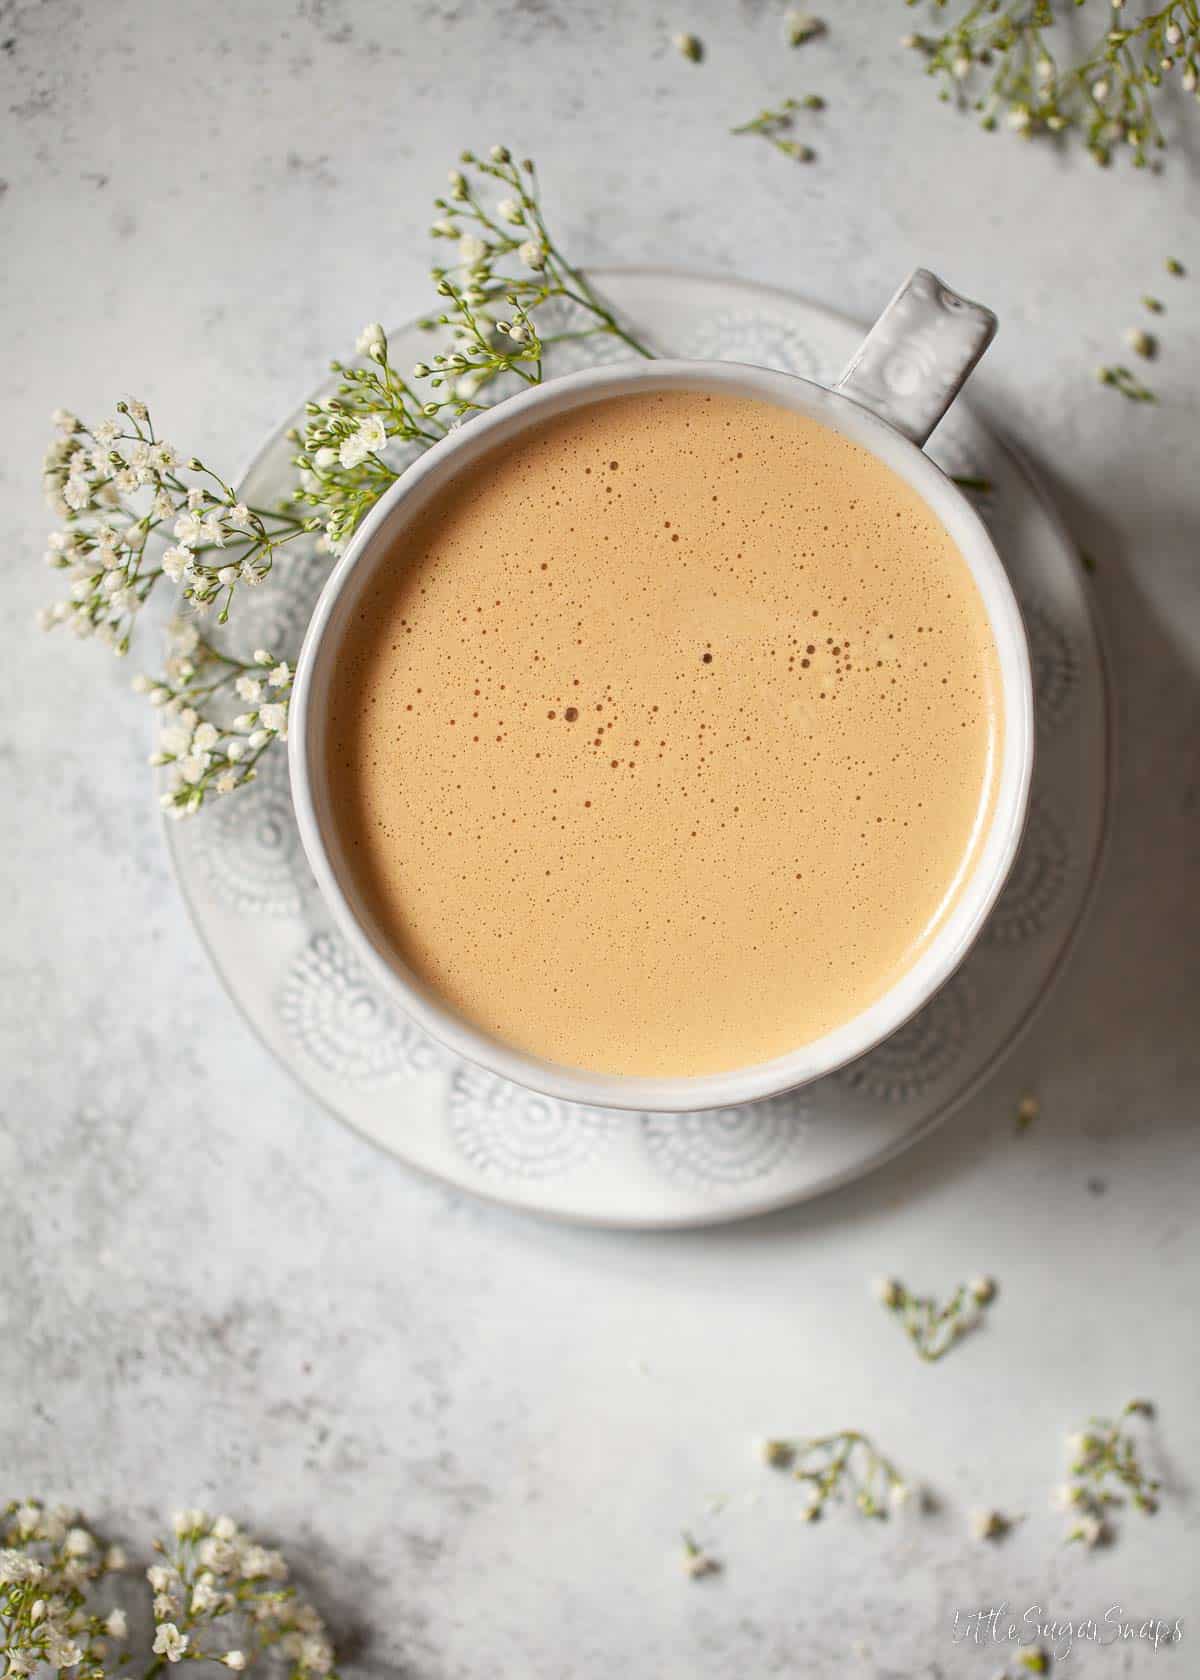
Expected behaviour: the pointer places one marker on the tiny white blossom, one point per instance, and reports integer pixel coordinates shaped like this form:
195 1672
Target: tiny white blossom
471 250
274 717
239 516
248 688
225 783
259 738
229 574
188 527
1090 1530
137 410
899 1494
205 738
233 752
117 1623
77 493
235 1660
159 1577
106 432
533 254
78 1543
371 340
196 497
370 434
62 1653
987 1525
983 1289
511 210
65 421
280 675
192 767
169 1642
203 1596
175 562
16 1567
211 531
887 1291
443 229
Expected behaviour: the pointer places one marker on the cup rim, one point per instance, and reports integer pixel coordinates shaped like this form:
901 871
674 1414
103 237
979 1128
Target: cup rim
944 952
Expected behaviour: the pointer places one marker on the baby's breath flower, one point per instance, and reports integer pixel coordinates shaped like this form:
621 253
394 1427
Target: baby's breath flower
696 1561
372 341
989 1525
533 254
802 27
689 47
1141 342
170 1643
888 1292
235 1660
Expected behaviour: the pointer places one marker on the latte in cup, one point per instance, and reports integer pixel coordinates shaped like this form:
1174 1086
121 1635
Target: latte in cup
665 739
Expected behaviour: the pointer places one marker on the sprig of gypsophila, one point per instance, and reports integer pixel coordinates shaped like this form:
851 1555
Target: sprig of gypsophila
775 125
998 60
220 1596
116 487
51 1567
137 518
509 268
214 753
931 1329
845 1465
1105 1471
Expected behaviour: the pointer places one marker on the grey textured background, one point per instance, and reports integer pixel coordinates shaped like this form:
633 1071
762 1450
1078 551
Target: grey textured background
478 1434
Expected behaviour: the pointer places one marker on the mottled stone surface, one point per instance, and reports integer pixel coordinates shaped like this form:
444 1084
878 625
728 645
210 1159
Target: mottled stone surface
481 1434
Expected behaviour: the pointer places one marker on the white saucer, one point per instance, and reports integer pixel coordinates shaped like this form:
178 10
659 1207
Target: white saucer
258 912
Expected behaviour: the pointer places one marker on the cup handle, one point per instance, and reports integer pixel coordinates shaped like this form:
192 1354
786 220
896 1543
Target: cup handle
916 358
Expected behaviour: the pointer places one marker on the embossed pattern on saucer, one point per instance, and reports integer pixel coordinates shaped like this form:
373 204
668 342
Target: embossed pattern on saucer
258 911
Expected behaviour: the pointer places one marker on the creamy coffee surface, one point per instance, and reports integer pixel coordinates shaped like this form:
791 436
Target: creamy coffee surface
662 744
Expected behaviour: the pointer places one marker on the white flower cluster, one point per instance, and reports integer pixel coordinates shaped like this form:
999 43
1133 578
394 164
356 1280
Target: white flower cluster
115 486
215 1585
218 1596
199 755
49 1565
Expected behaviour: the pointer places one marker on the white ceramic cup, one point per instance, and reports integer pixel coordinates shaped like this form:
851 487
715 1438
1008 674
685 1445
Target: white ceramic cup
907 372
